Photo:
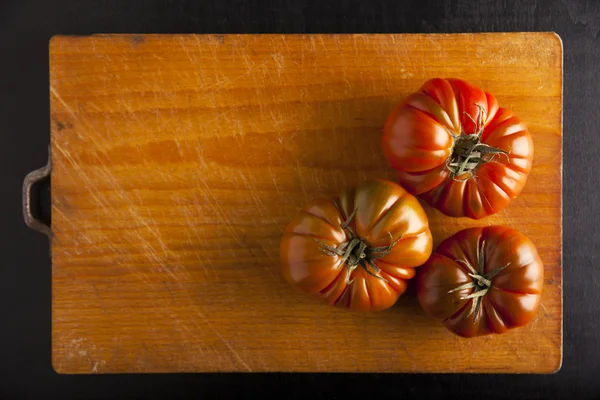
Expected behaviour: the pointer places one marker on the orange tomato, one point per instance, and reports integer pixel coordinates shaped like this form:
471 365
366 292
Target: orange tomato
358 250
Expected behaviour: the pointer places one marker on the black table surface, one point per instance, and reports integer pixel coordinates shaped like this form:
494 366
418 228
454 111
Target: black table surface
25 280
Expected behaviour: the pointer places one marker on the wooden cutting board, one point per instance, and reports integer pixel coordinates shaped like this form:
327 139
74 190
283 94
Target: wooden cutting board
179 159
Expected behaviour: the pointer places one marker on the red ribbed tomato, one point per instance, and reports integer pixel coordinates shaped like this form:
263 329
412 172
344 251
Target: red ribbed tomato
455 147
358 250
482 280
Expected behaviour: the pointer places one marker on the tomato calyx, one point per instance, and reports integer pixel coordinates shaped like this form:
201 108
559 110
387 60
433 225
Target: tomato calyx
481 282
468 153
356 252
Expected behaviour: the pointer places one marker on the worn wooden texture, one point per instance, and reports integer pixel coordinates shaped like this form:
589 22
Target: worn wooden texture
178 161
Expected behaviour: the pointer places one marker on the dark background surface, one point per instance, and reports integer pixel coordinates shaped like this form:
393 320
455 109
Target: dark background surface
25 288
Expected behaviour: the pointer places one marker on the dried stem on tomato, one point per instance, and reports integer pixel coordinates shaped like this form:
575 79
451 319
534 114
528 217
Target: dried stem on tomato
357 252
481 282
468 153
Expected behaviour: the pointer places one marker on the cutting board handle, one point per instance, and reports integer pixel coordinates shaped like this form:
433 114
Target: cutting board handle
31 180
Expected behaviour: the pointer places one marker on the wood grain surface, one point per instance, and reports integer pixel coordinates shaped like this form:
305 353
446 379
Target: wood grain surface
178 160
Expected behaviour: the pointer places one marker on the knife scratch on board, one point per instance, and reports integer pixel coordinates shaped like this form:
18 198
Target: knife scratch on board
407 352
56 211
96 364
60 99
301 181
93 190
225 342
194 244
219 212
184 47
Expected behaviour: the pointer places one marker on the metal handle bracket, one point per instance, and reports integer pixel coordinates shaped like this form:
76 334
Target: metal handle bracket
32 179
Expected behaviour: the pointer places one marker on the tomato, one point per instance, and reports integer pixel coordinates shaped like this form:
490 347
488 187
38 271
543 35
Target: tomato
482 280
455 147
359 249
